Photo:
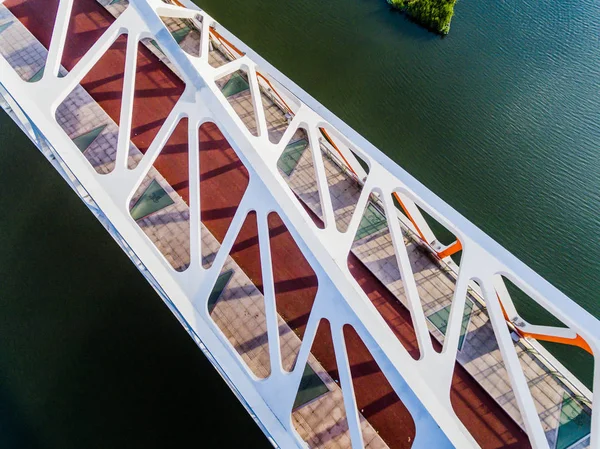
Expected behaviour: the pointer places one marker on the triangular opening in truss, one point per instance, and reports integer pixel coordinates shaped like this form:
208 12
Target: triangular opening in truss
438 317
159 205
318 412
385 420
157 90
26 50
235 87
548 386
568 347
236 303
343 149
186 32
434 268
296 167
278 105
445 241
295 287
345 174
223 182
221 51
88 22
90 113
373 263
526 309
481 393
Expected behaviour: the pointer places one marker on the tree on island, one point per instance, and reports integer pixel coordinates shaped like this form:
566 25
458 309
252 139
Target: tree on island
433 14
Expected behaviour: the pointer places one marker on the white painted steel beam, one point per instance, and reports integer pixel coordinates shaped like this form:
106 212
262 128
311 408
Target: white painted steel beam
423 384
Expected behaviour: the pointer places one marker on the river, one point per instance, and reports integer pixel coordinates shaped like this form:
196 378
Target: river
501 119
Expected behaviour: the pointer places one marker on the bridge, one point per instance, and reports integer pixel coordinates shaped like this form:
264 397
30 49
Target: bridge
344 303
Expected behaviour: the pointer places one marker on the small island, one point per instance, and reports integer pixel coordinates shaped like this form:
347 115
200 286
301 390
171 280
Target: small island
434 15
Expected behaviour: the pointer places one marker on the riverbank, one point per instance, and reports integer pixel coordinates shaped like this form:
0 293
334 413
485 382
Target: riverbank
435 15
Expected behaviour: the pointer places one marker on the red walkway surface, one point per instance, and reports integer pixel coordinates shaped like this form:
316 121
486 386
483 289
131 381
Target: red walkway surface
224 180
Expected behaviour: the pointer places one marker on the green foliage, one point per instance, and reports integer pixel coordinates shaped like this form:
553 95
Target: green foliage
433 14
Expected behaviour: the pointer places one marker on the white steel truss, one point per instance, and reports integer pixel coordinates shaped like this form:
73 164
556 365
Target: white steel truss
424 384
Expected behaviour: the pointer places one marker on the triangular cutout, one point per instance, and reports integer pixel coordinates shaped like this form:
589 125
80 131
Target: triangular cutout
160 204
278 113
318 413
549 383
98 99
221 51
435 268
444 244
373 263
295 286
481 392
549 389
296 167
339 142
88 22
527 310
385 420
537 325
235 87
236 303
27 51
157 90
223 182
483 360
186 33
345 176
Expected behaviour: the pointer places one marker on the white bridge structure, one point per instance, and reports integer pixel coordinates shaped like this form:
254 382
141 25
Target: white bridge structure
423 384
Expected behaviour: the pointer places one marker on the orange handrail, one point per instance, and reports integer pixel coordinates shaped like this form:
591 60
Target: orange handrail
276 93
330 140
450 250
578 341
223 40
409 216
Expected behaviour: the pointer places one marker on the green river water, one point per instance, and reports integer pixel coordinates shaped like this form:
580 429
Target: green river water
501 119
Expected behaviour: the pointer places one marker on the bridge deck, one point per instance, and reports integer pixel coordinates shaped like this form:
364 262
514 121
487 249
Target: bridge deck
90 116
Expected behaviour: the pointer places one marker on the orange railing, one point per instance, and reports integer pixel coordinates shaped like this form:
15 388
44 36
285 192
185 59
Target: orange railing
578 341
